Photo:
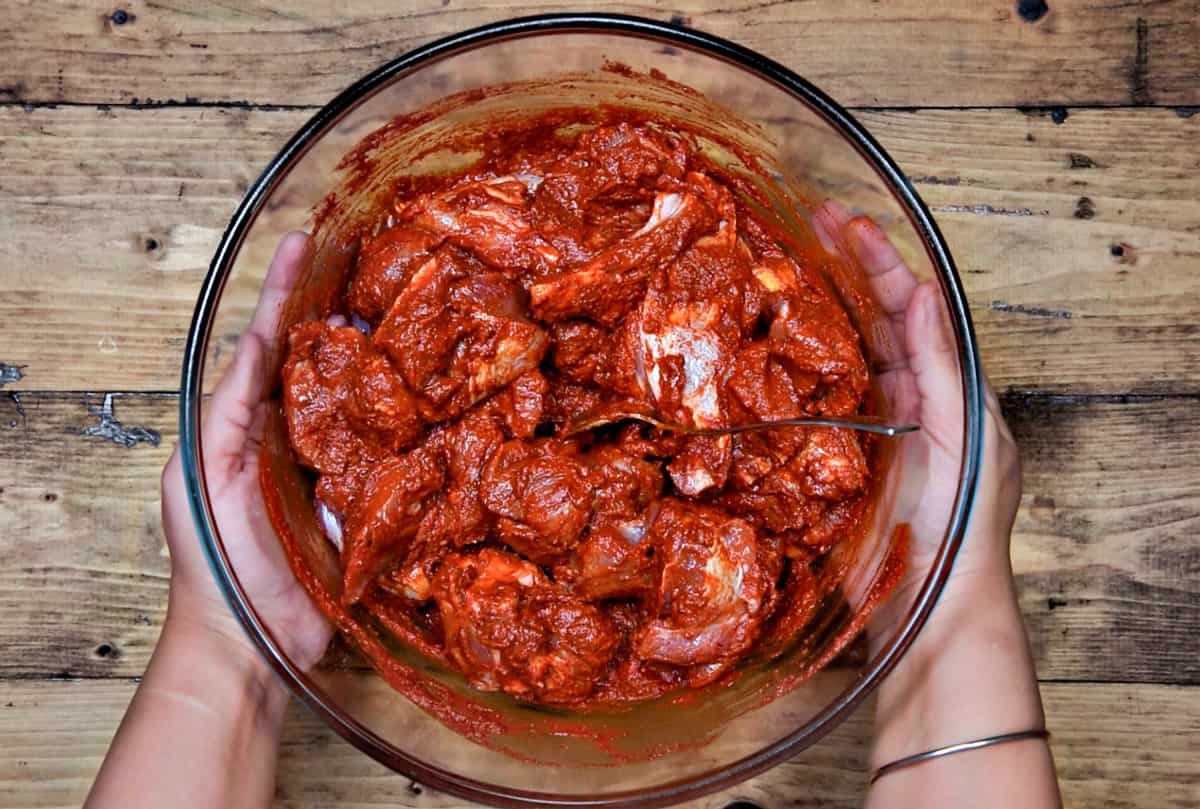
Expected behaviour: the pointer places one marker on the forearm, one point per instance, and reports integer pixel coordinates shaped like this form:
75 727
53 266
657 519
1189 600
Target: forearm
970 675
202 731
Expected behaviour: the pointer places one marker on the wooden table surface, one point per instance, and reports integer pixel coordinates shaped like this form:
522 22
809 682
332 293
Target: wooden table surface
1059 149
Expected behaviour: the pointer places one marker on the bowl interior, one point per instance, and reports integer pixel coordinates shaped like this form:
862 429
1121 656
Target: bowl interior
759 123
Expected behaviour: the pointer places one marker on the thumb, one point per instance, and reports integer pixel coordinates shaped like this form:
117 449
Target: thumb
932 358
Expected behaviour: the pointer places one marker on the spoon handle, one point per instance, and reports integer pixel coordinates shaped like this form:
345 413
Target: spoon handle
869 424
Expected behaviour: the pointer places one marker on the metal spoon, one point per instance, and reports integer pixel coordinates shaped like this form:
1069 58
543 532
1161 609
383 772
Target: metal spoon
611 415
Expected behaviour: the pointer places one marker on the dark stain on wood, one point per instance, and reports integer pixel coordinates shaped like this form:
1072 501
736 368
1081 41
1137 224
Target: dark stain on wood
12 92
107 651
1085 208
1124 253
1056 114
112 430
682 20
1032 311
932 179
1140 79
11 374
137 103
990 210
1078 160
1053 603
19 408
1032 10
1042 504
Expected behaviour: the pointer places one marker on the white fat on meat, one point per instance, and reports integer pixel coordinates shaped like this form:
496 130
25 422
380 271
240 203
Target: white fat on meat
331 524
688 334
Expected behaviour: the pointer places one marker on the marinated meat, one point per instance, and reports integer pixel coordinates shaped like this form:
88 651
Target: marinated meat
611 270
711 588
510 628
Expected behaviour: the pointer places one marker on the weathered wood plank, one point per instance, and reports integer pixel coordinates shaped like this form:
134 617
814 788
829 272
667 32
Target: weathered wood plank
83 580
1078 243
1116 746
1078 52
1104 548
112 217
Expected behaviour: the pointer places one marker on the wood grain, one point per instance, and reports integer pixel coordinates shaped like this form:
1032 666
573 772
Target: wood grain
83 580
1114 745
114 215
1104 548
900 53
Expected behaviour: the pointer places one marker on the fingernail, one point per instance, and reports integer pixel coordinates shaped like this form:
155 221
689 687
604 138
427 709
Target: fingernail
823 235
929 308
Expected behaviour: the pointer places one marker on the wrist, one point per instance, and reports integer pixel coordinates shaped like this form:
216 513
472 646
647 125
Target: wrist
208 657
969 674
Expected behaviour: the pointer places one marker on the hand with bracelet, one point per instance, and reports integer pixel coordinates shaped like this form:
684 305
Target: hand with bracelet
965 694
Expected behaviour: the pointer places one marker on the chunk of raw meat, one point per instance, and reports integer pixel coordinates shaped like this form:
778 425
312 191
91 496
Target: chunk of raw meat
381 528
710 597
489 219
511 629
385 265
609 285
541 496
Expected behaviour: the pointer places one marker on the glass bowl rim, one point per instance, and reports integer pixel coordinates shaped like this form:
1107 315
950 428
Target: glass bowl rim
222 263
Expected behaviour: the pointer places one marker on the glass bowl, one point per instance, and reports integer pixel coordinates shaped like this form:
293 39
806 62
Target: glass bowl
807 149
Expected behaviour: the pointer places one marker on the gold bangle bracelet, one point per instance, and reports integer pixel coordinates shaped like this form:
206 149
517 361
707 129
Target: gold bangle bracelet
961 747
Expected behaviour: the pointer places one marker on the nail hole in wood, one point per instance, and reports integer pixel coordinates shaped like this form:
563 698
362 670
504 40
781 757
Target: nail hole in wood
104 650
121 16
152 244
1032 10
742 805
49 497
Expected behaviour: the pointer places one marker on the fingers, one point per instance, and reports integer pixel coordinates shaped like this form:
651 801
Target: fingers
282 275
889 276
234 405
993 406
828 222
934 362
240 392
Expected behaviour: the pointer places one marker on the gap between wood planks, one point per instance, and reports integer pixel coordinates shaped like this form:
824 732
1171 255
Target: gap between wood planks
1059 112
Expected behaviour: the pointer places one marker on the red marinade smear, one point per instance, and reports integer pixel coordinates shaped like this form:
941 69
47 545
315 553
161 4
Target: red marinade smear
609 268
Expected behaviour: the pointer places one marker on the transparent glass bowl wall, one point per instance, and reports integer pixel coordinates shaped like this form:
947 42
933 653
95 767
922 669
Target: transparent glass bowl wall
811 150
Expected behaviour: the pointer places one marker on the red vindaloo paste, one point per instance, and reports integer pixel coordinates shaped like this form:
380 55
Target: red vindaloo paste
566 275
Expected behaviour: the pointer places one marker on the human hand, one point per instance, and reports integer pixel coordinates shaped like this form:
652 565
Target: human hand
921 382
969 674
230 440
